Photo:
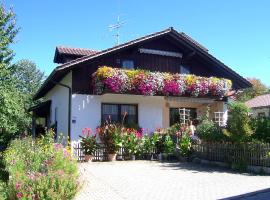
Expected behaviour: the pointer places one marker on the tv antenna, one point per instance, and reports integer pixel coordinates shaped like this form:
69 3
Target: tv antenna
117 27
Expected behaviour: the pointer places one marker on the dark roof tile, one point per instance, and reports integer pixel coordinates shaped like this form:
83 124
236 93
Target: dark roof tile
75 51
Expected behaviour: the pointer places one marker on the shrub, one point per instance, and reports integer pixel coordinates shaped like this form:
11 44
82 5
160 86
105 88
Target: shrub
261 129
40 170
89 143
168 144
185 145
207 130
238 124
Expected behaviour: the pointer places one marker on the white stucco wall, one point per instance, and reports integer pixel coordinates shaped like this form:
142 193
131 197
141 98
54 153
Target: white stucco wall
86 111
59 97
153 111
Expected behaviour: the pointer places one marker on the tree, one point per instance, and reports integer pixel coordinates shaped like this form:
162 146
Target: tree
12 111
258 88
28 79
8 32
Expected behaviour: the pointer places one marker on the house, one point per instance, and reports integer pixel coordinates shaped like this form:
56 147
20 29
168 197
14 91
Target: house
260 106
71 101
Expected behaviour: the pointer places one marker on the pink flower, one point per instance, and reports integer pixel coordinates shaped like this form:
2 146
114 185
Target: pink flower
87 132
57 146
19 195
18 185
138 134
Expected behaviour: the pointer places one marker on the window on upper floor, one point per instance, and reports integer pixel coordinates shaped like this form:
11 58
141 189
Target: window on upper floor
184 69
128 64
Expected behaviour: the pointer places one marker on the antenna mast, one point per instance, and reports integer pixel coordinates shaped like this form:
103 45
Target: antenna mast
116 27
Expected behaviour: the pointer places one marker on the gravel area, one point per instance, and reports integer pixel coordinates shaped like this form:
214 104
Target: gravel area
144 180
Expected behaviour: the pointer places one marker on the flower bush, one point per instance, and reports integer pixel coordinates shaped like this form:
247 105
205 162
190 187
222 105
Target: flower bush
115 80
89 142
40 170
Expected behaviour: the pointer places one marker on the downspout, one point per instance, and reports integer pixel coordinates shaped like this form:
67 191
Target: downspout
69 106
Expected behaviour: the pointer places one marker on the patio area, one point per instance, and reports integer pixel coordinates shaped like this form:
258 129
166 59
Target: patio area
143 180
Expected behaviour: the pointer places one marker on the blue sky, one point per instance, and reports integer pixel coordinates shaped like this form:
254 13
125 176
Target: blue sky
236 32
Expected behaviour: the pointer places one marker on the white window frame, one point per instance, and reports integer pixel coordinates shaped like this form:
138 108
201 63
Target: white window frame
184 115
219 118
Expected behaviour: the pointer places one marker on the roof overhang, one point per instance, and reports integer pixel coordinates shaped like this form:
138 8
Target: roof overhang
42 109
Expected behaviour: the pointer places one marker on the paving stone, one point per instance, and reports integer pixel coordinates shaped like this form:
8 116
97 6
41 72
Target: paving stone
144 180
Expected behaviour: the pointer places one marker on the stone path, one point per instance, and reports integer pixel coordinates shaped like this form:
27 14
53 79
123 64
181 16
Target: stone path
144 180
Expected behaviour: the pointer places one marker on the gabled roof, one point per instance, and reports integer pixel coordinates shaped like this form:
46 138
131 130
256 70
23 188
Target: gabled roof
75 51
181 37
259 101
72 51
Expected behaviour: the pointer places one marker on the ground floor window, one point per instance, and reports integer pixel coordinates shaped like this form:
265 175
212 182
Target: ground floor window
120 113
182 115
219 119
261 114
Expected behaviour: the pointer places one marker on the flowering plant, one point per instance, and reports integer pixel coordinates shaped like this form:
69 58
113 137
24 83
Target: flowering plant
116 80
131 139
110 135
40 169
89 143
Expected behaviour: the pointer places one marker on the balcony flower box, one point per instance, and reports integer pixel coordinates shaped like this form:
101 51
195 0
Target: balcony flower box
142 82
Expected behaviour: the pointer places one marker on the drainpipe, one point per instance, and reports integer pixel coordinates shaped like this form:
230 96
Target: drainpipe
69 106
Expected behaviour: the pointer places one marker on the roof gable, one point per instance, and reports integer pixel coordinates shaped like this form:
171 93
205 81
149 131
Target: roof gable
179 37
70 52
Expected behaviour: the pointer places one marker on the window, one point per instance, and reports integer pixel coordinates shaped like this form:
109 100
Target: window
184 69
182 115
261 114
117 112
128 64
219 119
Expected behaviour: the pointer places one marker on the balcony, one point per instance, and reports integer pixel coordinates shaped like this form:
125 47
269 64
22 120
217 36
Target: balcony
141 82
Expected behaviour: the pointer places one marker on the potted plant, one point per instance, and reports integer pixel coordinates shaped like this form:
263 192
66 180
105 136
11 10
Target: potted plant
110 136
184 147
168 146
88 143
131 142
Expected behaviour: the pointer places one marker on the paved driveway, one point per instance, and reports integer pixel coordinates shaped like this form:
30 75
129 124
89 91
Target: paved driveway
144 180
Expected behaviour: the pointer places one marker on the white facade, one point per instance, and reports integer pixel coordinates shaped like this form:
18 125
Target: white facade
59 106
153 111
86 111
